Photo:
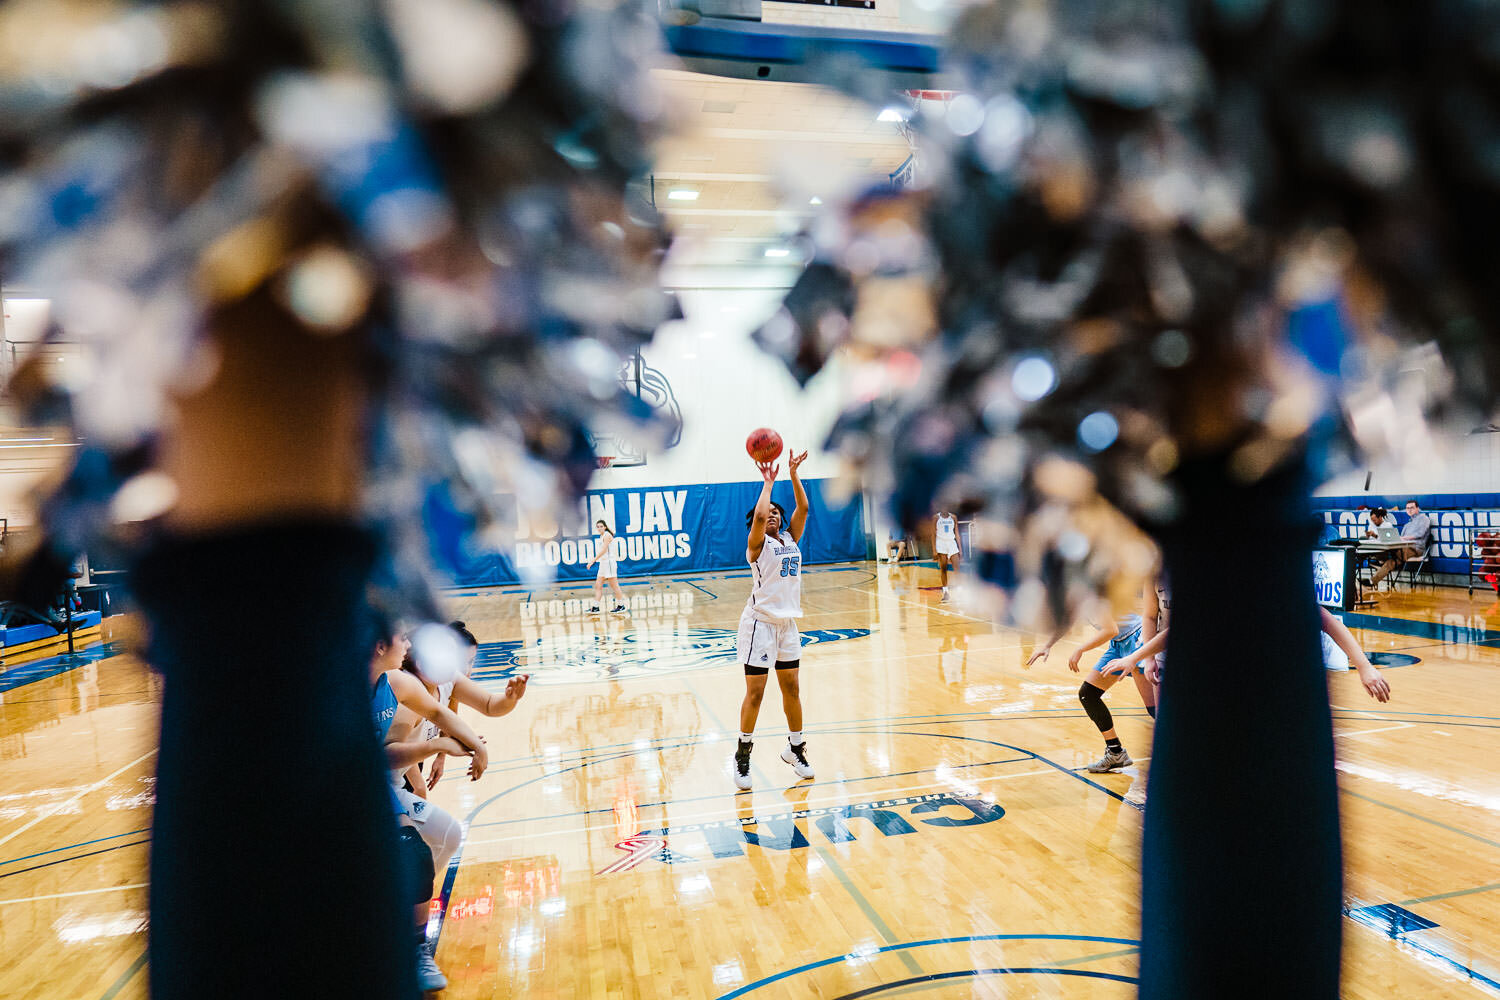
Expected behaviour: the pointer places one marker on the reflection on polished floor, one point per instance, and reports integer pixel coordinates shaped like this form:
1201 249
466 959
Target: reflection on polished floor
949 844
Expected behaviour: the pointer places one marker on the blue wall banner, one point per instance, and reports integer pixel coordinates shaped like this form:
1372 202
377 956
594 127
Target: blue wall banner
673 529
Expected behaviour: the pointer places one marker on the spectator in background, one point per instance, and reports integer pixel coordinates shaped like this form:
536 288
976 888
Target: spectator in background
1415 533
900 547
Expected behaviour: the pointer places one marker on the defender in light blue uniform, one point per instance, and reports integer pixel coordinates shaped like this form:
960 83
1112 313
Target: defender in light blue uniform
1123 636
1126 641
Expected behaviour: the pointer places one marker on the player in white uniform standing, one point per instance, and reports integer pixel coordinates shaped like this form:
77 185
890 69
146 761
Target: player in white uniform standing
768 627
604 555
946 545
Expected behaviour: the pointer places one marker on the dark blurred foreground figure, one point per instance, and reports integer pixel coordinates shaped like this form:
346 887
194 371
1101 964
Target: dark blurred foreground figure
1086 294
334 257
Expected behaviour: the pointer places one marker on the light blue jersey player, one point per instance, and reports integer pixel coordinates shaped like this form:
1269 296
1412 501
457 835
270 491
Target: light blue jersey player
426 834
1123 636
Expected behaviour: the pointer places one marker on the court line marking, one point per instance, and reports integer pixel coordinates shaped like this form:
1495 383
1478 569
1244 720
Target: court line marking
1424 819
69 847
76 857
936 977
908 945
1408 941
1450 895
710 593
79 892
89 790
1371 732
1424 715
126 976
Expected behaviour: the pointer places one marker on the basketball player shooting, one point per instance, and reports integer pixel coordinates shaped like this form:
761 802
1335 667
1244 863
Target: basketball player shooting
768 626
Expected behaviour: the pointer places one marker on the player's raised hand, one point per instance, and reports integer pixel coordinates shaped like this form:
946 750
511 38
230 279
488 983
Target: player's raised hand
793 461
768 471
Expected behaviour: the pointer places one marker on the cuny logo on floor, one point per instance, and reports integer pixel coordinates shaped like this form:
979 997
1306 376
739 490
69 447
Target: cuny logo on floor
594 656
786 831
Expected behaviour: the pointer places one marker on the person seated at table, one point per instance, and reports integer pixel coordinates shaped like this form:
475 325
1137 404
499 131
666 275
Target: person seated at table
1377 518
1415 534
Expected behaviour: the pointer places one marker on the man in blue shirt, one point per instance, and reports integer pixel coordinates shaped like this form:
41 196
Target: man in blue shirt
1416 533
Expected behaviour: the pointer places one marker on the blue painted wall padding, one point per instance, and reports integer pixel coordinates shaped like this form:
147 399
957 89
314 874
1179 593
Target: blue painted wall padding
672 529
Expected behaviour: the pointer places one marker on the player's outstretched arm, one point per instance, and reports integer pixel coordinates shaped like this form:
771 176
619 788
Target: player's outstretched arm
1046 651
492 705
407 753
799 516
1374 683
757 540
410 692
1094 641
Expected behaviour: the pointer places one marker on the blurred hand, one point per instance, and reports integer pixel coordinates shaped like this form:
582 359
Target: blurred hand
1375 684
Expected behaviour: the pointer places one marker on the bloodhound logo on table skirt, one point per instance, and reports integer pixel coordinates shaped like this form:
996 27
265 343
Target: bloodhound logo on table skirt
577 656
801 828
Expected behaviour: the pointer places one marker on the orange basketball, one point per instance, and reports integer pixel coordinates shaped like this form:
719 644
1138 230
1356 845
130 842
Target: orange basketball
763 444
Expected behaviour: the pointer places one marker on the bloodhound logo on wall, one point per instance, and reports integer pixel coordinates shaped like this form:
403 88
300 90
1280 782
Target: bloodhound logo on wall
566 657
798 829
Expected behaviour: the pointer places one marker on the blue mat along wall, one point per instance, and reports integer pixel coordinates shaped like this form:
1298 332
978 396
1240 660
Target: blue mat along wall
673 529
1454 518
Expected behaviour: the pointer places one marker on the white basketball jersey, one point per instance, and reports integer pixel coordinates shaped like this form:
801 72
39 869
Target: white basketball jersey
947 529
777 590
606 549
430 731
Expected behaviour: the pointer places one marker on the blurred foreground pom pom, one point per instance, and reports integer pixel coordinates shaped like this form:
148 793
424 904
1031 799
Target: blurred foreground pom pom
438 653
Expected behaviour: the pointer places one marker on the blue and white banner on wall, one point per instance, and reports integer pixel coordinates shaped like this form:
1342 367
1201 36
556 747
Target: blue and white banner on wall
1455 518
674 529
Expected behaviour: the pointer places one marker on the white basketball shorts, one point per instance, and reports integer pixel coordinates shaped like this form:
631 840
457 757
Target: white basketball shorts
763 644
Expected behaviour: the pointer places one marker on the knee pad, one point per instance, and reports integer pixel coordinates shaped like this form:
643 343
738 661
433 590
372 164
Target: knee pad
444 835
1092 699
416 858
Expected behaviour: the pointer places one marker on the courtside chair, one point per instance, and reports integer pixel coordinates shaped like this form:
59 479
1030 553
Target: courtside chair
1413 569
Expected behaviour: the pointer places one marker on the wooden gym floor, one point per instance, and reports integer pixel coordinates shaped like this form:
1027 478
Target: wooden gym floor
949 844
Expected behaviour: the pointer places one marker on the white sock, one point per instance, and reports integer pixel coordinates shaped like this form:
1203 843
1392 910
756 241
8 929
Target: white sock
795 739
747 737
